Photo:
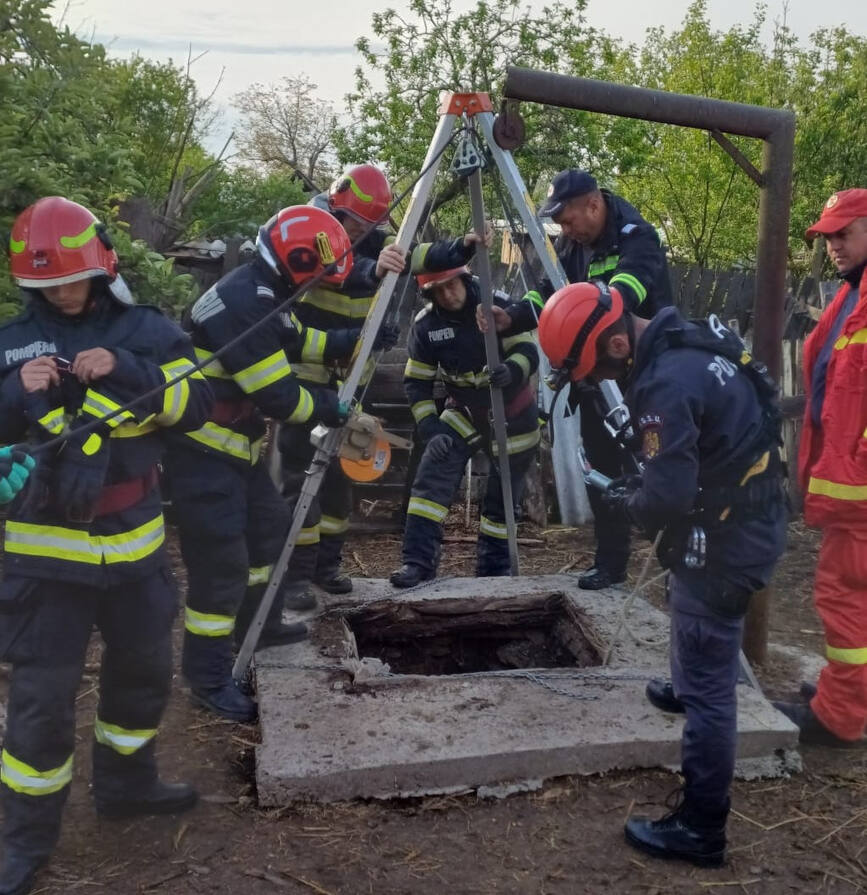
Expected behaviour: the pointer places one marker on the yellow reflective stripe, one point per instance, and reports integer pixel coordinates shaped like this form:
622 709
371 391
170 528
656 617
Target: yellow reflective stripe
308 536
859 337
428 509
99 405
226 441
469 379
314 346
633 282
208 624
303 409
856 656
134 430
53 421
331 525
521 339
74 545
214 369
314 373
493 529
422 409
459 423
80 239
535 299
837 490
121 739
522 361
603 265
517 443
337 303
21 777
258 575
263 373
419 257
416 369
177 396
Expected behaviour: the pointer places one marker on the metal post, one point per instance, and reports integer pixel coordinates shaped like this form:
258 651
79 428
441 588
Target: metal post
777 128
492 354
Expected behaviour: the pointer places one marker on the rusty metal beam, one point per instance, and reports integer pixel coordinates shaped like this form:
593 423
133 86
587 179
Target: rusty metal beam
777 128
739 158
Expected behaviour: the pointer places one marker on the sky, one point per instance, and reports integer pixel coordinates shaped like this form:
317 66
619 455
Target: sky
268 39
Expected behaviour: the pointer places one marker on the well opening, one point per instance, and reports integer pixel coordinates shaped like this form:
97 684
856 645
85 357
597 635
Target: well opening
462 636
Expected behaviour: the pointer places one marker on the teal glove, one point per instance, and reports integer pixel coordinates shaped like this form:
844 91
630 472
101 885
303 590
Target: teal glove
15 466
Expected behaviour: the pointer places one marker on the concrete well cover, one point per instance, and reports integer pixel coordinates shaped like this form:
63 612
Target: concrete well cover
327 738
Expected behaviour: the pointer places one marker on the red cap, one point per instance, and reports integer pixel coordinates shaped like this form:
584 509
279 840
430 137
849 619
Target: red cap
433 278
839 211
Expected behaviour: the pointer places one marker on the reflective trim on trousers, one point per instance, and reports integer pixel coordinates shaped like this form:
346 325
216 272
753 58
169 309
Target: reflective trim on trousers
120 739
21 777
207 624
427 509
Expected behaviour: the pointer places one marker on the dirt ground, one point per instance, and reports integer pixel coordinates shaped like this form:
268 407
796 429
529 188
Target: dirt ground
804 834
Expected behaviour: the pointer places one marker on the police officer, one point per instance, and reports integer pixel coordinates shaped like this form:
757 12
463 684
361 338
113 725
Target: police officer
712 483
15 468
601 237
359 199
445 342
231 518
84 544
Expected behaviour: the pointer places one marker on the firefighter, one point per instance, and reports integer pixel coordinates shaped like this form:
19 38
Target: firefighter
359 199
712 483
601 237
445 342
832 469
231 518
84 544
15 468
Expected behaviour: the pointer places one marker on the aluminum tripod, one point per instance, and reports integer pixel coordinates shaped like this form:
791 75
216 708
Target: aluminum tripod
454 107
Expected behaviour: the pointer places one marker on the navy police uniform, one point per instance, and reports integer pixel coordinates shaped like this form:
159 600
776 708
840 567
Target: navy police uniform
66 571
449 345
710 442
328 309
629 256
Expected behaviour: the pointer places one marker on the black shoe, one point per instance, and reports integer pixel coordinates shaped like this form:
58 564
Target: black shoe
661 694
596 578
279 636
812 731
19 873
161 798
409 575
807 690
673 837
333 582
227 701
299 596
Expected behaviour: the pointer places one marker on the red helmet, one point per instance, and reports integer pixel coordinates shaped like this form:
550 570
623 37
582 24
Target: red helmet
301 241
362 192
572 320
429 279
56 241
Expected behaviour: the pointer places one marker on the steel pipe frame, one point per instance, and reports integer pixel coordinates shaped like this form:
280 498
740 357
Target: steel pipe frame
776 127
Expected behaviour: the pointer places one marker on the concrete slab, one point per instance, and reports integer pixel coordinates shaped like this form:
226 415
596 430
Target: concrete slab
327 738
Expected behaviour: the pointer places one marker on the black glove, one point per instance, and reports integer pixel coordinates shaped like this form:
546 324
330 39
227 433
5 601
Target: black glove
340 343
328 409
80 472
387 337
619 493
440 446
501 376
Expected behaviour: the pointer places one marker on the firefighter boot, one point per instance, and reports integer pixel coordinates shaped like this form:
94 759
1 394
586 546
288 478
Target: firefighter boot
333 580
687 833
328 575
409 575
597 578
19 872
811 730
298 595
128 785
207 666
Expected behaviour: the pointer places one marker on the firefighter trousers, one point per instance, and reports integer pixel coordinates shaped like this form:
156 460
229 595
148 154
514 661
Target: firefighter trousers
437 481
320 543
840 702
232 524
46 627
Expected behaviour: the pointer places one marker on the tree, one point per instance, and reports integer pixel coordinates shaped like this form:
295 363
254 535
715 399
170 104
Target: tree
287 128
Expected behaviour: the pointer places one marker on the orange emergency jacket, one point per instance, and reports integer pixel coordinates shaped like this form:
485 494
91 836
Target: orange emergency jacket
832 461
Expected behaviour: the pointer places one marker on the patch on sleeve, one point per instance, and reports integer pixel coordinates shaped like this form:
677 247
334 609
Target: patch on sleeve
651 435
